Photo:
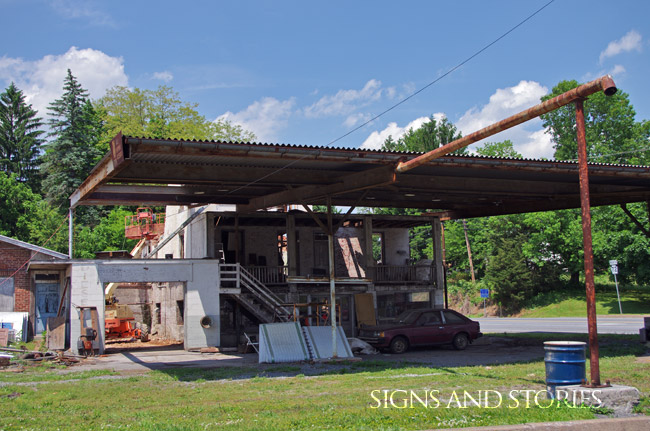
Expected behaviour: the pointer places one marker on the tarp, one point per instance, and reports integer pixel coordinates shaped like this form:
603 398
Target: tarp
18 321
320 340
282 342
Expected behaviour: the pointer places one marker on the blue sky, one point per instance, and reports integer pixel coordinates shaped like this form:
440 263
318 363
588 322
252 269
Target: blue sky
306 73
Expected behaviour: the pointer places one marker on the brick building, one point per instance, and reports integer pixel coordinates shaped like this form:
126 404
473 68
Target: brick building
22 290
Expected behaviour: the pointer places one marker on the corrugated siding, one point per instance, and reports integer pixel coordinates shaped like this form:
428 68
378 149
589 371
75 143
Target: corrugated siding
320 338
282 342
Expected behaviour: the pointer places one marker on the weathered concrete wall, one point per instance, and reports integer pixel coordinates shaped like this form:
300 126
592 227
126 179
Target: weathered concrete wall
201 278
86 290
396 247
262 241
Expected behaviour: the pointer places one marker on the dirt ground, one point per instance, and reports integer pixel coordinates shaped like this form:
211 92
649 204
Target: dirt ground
142 357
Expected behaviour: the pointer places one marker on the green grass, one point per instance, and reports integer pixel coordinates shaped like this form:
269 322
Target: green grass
337 396
572 303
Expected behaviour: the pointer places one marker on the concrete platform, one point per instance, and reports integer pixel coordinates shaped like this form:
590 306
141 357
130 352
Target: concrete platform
638 423
621 399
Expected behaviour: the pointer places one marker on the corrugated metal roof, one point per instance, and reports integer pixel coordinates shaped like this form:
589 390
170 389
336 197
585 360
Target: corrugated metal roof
372 151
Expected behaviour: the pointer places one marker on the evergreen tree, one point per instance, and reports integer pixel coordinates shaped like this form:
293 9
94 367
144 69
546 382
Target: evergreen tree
19 136
73 152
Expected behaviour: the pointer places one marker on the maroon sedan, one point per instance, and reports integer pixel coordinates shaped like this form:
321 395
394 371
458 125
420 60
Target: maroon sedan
422 328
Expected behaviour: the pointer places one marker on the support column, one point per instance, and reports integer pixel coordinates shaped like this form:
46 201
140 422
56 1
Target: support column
370 261
292 255
70 232
438 269
587 244
330 243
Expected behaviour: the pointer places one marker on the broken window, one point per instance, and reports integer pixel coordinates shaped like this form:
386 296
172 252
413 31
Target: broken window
157 314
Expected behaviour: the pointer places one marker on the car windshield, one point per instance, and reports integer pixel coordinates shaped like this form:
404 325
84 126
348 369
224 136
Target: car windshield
407 317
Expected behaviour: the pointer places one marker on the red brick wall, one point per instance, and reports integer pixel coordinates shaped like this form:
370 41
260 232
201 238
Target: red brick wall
11 258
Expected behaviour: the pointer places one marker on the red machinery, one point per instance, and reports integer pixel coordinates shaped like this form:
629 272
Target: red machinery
144 224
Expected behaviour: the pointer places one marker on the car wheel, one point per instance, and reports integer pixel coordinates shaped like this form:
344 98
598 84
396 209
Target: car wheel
460 341
399 345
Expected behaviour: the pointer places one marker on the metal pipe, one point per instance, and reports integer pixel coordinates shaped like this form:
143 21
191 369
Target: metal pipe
604 83
330 244
70 232
587 244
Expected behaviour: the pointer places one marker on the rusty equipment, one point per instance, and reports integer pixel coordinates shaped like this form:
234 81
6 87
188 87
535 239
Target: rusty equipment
144 224
119 323
88 344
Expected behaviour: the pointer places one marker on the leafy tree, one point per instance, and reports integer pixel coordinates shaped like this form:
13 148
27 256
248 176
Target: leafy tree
160 113
499 149
107 235
19 136
612 133
427 137
75 149
16 200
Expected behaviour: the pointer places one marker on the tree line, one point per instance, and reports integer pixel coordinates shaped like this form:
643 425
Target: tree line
42 162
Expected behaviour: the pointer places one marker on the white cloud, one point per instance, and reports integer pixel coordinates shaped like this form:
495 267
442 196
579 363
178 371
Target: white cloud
354 119
265 117
164 76
528 138
345 102
88 11
377 138
630 42
42 80
617 70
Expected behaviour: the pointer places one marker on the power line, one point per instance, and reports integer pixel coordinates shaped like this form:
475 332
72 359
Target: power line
453 69
404 100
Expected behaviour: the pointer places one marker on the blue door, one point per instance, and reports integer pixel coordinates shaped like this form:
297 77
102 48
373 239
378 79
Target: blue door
47 304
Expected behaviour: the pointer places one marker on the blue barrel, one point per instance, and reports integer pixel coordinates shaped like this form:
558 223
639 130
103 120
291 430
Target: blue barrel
565 363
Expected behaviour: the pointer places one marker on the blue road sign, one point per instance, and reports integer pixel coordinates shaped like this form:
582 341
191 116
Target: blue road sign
485 293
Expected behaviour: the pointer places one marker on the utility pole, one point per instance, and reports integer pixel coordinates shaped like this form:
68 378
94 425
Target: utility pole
469 251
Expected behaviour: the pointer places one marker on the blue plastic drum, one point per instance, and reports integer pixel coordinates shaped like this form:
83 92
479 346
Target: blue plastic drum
565 363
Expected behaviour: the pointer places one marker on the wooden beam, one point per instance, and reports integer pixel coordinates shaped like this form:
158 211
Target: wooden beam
348 183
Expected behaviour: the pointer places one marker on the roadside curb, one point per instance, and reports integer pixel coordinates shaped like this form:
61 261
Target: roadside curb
636 423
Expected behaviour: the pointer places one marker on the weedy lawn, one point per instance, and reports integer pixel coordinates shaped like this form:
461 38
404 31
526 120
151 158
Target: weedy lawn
319 396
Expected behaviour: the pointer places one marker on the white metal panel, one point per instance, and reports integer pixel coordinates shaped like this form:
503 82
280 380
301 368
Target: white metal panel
18 320
320 339
282 342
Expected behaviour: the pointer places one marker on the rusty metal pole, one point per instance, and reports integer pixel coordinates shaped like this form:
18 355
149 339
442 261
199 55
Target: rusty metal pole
586 242
330 250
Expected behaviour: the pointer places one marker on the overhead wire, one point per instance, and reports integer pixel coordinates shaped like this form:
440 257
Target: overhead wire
410 96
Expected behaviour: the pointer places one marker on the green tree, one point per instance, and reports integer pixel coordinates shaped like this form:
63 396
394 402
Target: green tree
499 149
20 131
75 149
429 136
16 201
612 133
160 113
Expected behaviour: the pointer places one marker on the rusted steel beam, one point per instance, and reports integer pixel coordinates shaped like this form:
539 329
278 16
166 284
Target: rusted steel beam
635 220
605 83
587 244
349 183
109 166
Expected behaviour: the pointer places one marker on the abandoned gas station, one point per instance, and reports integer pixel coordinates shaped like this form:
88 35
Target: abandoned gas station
242 241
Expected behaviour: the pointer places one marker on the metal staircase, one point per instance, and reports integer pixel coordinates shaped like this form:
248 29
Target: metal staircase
253 295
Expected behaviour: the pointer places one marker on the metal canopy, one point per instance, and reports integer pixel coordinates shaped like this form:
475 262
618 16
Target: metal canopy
140 171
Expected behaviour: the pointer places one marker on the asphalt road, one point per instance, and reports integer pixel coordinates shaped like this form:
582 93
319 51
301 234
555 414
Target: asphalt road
606 325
